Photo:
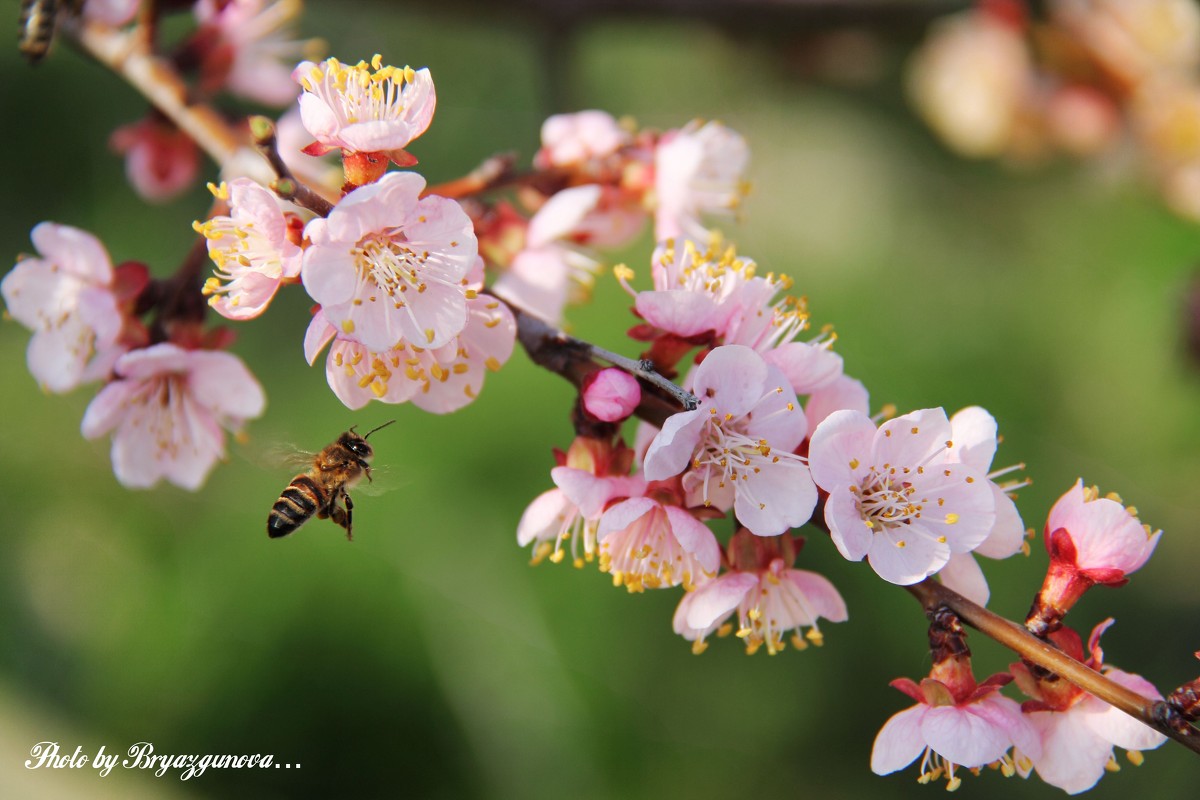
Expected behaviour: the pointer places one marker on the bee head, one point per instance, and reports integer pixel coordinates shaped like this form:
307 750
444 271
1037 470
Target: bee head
358 444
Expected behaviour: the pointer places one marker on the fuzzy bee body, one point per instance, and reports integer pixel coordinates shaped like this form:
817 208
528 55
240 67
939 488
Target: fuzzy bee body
39 21
323 490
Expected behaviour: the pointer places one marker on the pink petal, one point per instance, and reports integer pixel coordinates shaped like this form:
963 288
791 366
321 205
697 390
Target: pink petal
714 600
807 367
847 528
780 497
897 443
222 382
823 598
562 214
899 741
544 517
1008 531
962 737
672 448
1116 726
536 282
328 274
623 514
962 574
732 379
107 409
695 538
839 450
75 251
777 417
678 311
316 336
921 556
843 392
974 435
1005 714
1073 756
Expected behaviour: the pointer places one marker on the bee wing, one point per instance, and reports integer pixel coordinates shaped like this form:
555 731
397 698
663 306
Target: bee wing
280 456
383 480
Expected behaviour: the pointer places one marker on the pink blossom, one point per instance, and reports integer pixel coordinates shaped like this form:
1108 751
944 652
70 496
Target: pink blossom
254 47
551 271
388 266
970 79
439 381
569 139
771 326
975 729
65 296
1077 731
695 290
365 108
974 432
167 408
611 394
769 596
698 170
591 474
251 249
161 161
736 449
895 493
645 544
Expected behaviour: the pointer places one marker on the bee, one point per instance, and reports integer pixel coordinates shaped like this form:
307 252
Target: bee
39 22
323 489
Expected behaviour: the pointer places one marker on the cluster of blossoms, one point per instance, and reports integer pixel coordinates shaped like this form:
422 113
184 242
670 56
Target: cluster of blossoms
780 437
420 291
1087 78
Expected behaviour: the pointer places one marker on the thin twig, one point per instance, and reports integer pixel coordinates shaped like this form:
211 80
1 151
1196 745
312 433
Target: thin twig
576 359
1013 636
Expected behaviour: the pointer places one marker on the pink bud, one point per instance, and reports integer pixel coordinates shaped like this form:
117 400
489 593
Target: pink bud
1106 536
611 394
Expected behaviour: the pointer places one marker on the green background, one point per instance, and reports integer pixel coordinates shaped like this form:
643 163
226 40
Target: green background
427 658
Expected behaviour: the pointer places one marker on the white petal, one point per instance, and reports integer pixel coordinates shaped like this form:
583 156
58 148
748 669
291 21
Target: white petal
899 741
713 601
974 435
840 448
962 737
963 575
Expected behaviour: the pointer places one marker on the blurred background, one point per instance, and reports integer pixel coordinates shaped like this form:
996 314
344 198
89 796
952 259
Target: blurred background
427 658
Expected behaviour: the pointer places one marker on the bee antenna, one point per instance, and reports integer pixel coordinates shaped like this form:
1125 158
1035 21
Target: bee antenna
384 425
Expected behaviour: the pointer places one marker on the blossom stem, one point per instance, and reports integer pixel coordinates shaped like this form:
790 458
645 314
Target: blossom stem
286 185
126 54
493 173
1016 638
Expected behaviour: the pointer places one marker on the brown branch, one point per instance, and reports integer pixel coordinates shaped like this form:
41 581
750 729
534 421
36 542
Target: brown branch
575 359
1013 636
126 55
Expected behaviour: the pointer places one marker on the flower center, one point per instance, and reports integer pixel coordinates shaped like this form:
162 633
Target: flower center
887 500
731 456
386 262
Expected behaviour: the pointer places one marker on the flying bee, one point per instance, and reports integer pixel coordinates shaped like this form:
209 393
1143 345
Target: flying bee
39 23
323 489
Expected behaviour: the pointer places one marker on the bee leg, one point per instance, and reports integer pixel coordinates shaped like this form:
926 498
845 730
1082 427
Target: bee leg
342 516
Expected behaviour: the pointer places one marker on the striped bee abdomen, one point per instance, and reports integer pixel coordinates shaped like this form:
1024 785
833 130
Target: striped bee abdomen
300 500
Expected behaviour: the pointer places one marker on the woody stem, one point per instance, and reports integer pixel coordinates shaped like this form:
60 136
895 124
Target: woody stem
1015 637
